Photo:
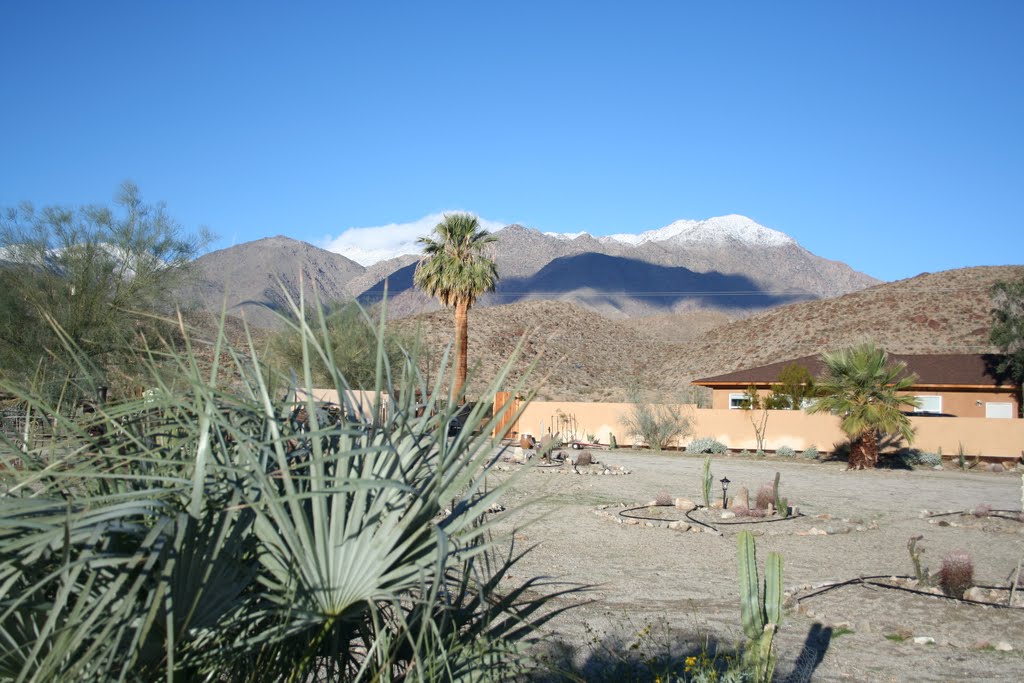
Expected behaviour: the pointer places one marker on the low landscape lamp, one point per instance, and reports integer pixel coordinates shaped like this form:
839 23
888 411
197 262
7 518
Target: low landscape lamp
725 492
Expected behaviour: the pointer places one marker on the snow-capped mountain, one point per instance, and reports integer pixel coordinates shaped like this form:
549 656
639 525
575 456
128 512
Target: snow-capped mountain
730 264
711 231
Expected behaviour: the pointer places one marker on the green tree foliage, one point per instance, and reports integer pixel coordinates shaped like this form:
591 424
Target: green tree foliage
96 274
794 386
863 389
456 270
352 334
1008 327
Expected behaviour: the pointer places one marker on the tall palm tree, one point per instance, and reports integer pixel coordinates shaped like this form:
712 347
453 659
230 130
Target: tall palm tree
455 269
863 388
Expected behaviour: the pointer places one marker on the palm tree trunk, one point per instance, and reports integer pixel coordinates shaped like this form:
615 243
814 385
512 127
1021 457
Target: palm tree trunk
870 441
461 348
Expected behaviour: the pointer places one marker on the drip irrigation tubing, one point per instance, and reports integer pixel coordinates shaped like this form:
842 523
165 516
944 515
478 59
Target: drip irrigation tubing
623 513
1014 515
874 581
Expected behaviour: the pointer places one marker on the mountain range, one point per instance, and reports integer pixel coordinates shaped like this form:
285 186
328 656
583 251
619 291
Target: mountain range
728 264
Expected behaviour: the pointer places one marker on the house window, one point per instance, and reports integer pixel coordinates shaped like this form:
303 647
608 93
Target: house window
929 404
999 410
736 401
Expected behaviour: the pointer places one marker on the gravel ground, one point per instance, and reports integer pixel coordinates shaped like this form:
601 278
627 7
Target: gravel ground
685 583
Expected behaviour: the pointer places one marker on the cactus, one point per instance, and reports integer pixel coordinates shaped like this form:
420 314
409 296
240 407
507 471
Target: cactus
760 609
923 576
612 443
707 482
781 504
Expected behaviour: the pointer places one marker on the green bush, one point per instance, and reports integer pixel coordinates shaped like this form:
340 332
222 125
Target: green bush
706 444
785 452
811 452
215 532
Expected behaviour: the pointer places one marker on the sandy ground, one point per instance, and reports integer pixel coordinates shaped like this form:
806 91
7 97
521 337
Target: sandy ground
685 583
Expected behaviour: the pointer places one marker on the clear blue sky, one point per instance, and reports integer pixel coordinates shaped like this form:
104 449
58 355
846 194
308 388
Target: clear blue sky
889 135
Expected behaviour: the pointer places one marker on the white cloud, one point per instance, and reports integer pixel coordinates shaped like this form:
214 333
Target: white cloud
367 246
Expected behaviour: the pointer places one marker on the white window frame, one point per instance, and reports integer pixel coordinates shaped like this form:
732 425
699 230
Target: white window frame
926 409
739 398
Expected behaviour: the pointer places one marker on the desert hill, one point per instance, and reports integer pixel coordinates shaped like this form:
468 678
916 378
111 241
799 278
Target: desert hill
585 356
250 276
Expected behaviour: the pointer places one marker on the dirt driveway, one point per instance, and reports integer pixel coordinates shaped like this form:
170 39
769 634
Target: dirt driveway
686 582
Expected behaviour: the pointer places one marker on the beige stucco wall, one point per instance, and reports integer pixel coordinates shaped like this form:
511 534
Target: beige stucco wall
979 436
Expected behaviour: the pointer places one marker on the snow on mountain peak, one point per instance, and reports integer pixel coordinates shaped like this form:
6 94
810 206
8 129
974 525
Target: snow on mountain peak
711 231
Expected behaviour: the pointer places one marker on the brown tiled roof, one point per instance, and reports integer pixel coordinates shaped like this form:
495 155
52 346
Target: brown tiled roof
940 369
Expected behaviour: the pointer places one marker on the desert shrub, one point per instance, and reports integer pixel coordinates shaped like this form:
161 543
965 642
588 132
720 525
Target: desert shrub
585 458
982 510
664 499
325 549
706 444
785 452
910 457
956 574
765 497
658 425
811 452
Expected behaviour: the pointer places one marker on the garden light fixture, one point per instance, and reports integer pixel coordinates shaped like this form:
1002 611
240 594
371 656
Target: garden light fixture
725 492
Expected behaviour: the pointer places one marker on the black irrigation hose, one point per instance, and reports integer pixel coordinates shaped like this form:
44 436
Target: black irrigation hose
623 512
1018 516
873 581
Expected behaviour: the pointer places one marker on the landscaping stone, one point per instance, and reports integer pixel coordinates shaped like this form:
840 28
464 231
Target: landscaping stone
685 504
1003 646
742 498
924 640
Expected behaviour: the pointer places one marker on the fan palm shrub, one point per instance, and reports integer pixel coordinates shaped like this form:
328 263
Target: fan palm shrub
863 388
202 534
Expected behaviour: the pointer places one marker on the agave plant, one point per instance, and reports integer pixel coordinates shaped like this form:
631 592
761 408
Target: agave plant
203 533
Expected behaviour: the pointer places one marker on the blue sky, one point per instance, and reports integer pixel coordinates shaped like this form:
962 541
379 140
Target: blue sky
889 135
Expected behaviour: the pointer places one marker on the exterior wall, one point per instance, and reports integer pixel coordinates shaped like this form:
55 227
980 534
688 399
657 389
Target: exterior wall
960 403
793 428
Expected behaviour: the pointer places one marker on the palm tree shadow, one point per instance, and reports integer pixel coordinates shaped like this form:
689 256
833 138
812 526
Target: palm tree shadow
811 655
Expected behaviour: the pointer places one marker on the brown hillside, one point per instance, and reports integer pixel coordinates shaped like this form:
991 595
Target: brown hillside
588 357
945 312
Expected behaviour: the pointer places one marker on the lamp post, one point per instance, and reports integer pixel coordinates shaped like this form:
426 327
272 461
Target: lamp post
725 492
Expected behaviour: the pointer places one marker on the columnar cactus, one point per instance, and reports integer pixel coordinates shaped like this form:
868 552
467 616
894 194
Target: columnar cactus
760 608
707 482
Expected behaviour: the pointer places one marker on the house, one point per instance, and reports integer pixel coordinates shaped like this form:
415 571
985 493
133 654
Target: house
948 384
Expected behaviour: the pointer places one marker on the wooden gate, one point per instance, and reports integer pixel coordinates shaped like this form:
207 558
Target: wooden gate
508 426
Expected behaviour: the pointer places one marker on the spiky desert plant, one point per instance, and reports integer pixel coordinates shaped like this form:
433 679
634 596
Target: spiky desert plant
781 504
765 497
706 482
924 578
867 393
663 499
956 574
205 535
760 607
585 458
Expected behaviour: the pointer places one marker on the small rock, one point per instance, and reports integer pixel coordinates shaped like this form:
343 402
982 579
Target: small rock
631 522
937 467
860 527
742 497
716 504
981 645
728 514
976 594
685 504
996 467
679 526
1003 646
824 516
924 640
